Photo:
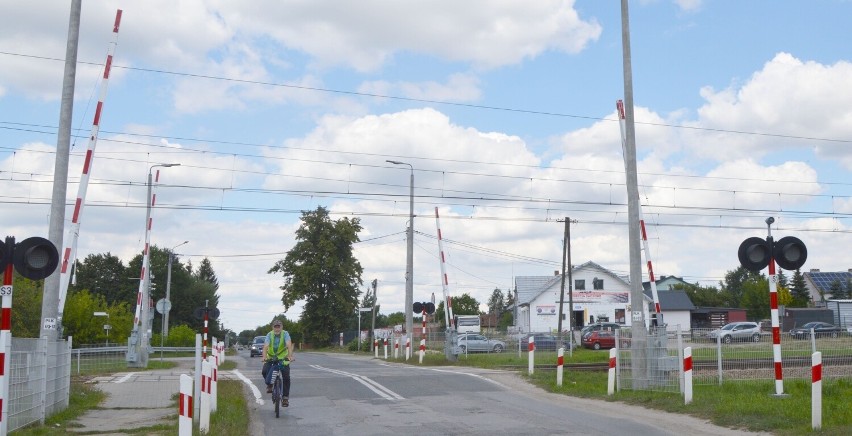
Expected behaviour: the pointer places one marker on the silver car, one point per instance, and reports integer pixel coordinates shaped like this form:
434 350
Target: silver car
737 331
471 343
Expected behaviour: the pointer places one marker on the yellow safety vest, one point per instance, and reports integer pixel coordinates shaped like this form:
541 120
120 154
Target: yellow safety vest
281 351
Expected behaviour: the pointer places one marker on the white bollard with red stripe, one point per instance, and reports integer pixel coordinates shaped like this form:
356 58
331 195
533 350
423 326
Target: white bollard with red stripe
422 349
376 348
816 390
560 361
396 348
204 419
531 349
386 348
610 384
214 380
185 406
407 348
687 375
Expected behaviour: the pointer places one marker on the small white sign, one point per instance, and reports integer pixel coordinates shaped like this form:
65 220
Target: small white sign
637 315
50 323
5 290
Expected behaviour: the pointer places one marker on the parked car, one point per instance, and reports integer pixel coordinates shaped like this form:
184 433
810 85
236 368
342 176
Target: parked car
599 339
472 342
256 348
544 341
736 331
821 329
610 326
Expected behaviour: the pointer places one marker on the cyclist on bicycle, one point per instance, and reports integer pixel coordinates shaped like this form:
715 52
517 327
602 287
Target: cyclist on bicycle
278 345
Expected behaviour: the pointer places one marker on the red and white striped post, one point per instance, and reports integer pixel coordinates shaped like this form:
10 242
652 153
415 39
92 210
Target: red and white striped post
206 374
73 231
560 361
816 390
214 382
776 330
6 342
396 348
204 335
687 375
375 347
448 313
386 348
423 336
185 406
610 383
531 354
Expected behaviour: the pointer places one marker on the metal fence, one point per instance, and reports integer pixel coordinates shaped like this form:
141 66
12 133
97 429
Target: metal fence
39 380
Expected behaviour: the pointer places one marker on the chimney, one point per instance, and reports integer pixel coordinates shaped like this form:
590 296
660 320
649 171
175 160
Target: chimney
556 273
814 270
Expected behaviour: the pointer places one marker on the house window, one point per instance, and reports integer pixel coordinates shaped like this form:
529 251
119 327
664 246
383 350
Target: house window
597 283
580 285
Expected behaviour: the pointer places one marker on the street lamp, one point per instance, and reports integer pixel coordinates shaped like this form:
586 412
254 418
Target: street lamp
169 290
107 327
409 259
142 340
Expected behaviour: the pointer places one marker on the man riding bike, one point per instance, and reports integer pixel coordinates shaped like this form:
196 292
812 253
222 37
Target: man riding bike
277 345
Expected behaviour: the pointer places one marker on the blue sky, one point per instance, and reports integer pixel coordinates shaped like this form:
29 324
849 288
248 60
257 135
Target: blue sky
505 109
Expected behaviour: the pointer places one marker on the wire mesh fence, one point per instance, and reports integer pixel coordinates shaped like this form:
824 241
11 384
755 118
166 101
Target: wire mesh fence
39 380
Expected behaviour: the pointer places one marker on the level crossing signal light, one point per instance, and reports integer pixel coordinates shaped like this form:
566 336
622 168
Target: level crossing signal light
789 252
34 258
419 307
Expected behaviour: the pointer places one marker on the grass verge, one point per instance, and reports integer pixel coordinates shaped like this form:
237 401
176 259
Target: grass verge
232 413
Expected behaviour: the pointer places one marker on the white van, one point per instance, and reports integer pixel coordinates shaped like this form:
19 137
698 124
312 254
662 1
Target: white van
468 323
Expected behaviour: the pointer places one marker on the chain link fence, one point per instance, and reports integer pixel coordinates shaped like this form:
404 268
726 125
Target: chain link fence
39 380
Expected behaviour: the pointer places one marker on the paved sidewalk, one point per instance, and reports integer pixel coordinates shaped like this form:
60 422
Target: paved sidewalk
136 400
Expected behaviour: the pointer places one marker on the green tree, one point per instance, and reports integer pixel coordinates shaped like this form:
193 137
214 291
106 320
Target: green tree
205 273
181 336
322 270
79 320
755 298
496 302
799 290
26 307
836 290
462 305
732 289
396 318
106 275
702 296
782 279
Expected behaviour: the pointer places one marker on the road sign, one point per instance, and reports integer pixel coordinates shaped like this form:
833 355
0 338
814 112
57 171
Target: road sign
164 305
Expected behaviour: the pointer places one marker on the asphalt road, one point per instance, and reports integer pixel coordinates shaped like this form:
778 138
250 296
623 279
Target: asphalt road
340 394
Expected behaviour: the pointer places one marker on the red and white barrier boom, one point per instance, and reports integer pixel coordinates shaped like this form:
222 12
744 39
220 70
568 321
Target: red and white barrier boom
448 303
73 232
653 281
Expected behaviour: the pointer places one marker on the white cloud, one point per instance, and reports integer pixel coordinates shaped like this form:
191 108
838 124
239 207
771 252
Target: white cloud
458 88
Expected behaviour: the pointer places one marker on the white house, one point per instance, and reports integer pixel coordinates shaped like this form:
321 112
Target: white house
597 295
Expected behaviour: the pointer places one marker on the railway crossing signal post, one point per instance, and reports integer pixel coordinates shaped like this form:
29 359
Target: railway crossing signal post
789 253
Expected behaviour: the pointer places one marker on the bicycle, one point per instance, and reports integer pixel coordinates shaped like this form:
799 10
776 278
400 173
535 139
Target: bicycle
277 384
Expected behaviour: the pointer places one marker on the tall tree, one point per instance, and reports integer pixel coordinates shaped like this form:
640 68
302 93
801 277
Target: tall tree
322 270
782 279
496 302
733 289
799 290
205 273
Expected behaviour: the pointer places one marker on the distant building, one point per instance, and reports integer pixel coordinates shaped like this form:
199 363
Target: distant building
819 284
676 308
598 295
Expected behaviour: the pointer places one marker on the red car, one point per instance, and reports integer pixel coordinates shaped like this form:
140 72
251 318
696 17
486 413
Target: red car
599 339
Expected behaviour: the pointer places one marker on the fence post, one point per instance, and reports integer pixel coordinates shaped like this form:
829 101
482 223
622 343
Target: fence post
719 357
560 361
185 406
813 341
816 390
687 375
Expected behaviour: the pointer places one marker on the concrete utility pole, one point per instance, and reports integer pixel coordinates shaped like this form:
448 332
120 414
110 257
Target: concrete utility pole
637 299
409 258
49 305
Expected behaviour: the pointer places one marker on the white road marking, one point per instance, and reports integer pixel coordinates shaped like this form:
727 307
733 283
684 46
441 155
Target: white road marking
258 398
370 384
125 378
